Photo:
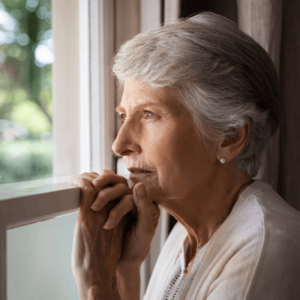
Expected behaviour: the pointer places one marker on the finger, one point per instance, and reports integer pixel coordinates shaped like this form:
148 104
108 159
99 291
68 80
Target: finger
95 173
109 178
109 194
119 211
91 176
71 180
148 211
88 192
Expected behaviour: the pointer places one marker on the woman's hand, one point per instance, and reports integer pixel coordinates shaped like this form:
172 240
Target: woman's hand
96 251
142 221
143 216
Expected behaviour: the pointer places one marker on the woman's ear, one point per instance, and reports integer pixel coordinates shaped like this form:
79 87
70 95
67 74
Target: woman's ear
229 149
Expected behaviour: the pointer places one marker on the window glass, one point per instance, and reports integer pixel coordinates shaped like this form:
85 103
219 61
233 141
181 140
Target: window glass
39 261
26 57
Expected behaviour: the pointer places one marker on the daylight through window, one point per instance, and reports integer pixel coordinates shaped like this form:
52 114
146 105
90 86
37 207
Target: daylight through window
26 57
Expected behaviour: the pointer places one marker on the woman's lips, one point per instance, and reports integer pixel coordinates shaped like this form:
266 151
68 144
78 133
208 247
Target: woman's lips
140 172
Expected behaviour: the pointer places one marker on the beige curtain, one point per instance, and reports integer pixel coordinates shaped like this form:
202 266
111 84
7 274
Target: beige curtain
289 163
275 25
262 20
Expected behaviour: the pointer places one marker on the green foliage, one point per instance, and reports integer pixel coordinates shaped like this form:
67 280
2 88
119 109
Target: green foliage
19 68
23 113
25 89
25 160
15 106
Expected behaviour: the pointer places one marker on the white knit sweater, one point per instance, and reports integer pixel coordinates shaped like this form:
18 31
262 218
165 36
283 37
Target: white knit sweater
254 255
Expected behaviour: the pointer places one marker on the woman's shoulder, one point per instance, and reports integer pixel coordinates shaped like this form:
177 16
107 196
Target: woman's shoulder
275 232
255 254
261 215
268 206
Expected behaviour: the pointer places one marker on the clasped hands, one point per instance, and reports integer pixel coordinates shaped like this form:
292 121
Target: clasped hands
112 236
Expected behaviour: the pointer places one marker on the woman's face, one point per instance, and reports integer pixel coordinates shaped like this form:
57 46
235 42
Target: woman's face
160 145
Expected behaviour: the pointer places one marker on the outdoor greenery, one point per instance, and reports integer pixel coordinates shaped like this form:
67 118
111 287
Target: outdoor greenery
25 89
25 160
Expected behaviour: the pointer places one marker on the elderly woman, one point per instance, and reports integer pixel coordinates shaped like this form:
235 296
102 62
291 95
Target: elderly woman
201 100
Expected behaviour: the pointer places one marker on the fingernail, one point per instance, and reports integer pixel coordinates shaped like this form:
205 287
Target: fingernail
108 225
141 191
94 207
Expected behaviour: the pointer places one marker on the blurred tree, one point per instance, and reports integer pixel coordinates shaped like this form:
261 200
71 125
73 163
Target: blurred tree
30 29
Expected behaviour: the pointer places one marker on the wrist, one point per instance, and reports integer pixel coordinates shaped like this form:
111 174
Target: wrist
129 283
98 292
125 271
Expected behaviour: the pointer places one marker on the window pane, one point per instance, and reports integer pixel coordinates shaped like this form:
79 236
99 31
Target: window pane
26 58
39 260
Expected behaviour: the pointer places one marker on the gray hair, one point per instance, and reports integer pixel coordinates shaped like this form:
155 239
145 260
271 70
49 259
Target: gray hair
220 74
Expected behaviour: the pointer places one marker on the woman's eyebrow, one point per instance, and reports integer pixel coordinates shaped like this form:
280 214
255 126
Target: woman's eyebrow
122 109
119 109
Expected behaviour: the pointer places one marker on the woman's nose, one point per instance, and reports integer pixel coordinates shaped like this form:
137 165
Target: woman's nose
127 140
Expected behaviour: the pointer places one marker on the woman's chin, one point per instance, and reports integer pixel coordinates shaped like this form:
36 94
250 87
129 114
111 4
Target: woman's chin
153 189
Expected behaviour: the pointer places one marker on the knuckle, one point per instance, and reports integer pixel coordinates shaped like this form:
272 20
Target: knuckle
84 175
86 186
89 190
105 171
103 194
84 181
99 177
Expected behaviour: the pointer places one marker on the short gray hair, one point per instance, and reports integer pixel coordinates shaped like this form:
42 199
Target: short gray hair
219 73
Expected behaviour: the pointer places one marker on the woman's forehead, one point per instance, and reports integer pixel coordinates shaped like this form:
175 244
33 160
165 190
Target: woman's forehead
138 94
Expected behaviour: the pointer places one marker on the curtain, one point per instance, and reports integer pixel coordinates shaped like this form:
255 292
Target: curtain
289 163
275 25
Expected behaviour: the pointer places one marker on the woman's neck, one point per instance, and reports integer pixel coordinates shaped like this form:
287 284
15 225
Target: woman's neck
203 211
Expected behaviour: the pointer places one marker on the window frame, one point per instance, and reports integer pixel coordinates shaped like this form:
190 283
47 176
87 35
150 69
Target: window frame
84 87
86 35
29 202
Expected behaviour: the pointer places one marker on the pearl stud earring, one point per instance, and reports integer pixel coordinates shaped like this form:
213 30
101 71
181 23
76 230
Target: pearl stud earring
223 160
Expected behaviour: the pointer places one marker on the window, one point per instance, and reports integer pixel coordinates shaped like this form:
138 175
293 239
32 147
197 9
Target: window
21 247
26 56
86 35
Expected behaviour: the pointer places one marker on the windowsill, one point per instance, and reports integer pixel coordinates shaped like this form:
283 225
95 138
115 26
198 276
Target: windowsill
31 187
23 203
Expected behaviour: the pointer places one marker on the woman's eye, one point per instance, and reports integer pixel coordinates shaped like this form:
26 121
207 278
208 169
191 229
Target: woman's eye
149 115
123 118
